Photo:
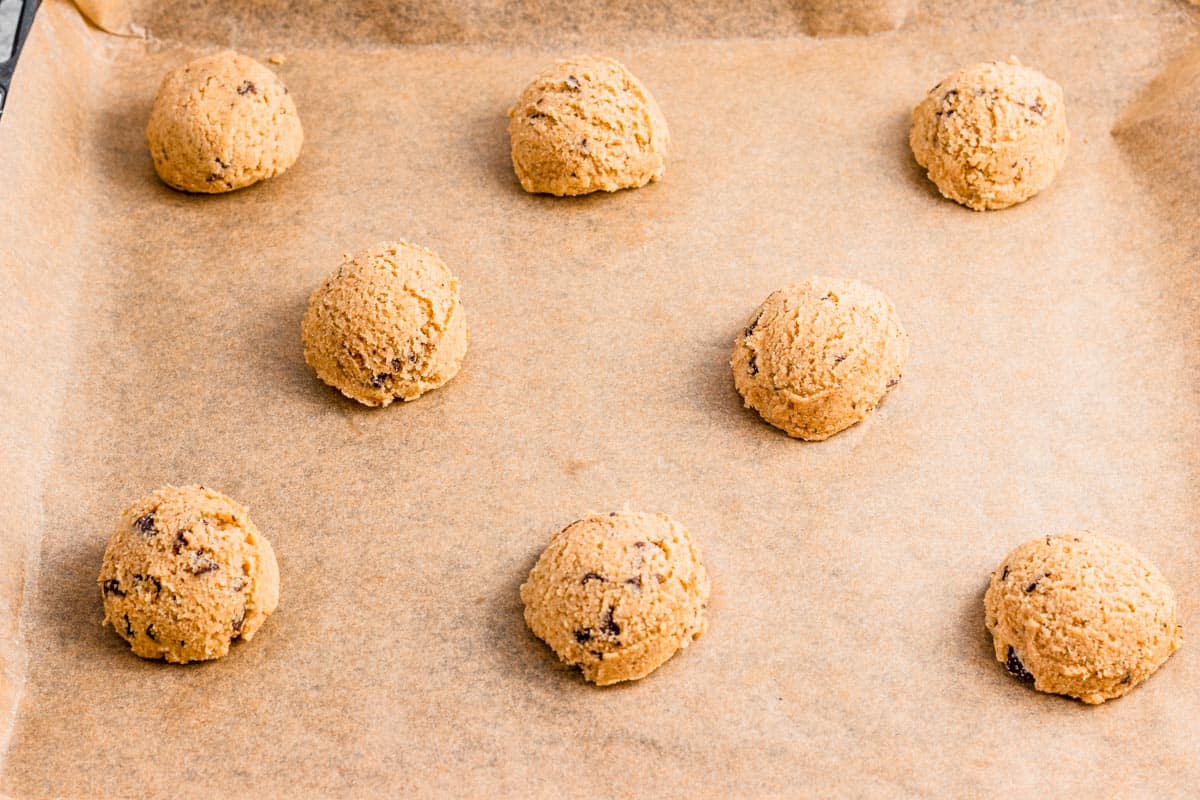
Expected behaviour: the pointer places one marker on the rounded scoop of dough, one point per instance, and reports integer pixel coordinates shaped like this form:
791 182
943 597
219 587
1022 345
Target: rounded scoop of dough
585 125
186 573
618 595
1081 614
991 135
387 325
818 356
222 122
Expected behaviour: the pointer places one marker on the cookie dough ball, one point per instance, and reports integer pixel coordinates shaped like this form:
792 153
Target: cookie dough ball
584 125
186 573
1081 614
819 356
386 325
222 122
618 595
991 135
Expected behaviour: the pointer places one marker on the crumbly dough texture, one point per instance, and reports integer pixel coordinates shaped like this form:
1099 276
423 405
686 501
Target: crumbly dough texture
587 124
222 122
1081 614
991 135
387 325
186 573
818 356
617 595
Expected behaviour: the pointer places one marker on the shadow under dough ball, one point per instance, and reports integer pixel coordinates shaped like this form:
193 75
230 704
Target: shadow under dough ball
186 573
1081 614
617 595
819 356
991 135
387 325
587 124
222 122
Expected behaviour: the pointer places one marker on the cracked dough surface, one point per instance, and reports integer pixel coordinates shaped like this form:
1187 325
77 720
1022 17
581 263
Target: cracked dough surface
818 356
617 595
222 122
991 135
1081 614
587 124
186 573
386 325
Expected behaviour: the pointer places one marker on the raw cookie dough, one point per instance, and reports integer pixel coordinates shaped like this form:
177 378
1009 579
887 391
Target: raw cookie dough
222 122
186 573
991 135
1081 614
387 325
587 124
617 595
818 356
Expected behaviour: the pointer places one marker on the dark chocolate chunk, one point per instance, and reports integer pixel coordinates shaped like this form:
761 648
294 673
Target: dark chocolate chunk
180 543
377 380
128 627
1128 677
584 145
609 627
202 564
753 365
247 87
636 580
238 622
212 176
1033 585
145 524
750 328
1013 665
113 586
573 82
583 635
150 632
839 358
598 654
397 364
535 115
592 576
1004 574
143 578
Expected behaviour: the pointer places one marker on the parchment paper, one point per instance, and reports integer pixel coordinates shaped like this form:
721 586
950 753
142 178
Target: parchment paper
153 337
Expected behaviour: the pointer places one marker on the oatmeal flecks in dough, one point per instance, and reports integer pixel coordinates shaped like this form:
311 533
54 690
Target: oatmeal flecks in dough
991 135
386 325
186 573
222 122
1081 614
618 594
818 356
587 124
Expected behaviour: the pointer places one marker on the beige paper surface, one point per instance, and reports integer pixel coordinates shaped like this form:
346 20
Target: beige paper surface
153 337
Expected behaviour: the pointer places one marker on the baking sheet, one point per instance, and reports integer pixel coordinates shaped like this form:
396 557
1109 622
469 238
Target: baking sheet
153 337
